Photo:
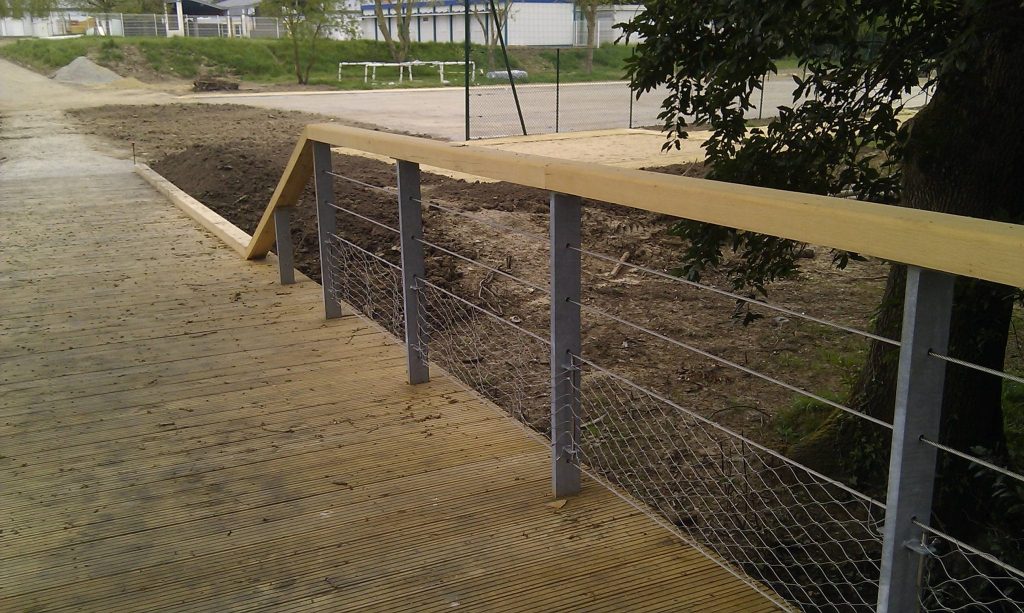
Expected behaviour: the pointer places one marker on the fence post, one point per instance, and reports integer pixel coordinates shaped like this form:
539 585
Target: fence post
410 223
565 342
927 307
630 109
283 237
760 105
326 224
466 51
558 85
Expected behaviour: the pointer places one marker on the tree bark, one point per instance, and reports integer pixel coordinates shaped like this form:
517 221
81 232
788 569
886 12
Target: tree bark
313 37
295 51
486 19
590 13
385 29
964 155
404 35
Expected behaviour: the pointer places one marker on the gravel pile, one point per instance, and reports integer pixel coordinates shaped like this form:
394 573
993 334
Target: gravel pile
83 71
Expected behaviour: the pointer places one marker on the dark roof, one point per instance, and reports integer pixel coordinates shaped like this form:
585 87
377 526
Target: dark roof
199 7
232 4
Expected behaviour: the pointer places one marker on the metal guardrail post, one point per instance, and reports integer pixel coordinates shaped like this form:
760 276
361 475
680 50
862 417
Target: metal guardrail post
927 307
565 342
410 223
283 238
326 224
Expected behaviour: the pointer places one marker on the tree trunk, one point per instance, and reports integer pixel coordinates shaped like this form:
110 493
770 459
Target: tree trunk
590 12
295 51
404 29
314 36
385 29
490 36
964 155
489 42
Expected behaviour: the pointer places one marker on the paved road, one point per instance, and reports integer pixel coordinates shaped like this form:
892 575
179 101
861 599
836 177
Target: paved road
434 112
439 112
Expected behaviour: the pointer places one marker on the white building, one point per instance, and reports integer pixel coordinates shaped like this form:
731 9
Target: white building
539 23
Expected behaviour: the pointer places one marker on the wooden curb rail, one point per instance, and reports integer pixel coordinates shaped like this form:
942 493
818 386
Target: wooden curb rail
223 229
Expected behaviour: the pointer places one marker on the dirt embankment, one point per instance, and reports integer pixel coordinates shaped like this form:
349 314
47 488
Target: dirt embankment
231 158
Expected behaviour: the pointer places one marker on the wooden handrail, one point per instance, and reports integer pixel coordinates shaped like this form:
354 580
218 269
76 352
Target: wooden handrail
984 249
293 181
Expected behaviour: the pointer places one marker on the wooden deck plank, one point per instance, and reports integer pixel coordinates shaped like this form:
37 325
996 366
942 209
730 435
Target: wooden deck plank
182 433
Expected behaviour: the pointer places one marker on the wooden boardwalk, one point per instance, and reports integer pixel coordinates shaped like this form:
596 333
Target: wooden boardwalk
180 432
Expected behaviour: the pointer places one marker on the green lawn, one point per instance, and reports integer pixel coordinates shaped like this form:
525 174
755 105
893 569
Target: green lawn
270 61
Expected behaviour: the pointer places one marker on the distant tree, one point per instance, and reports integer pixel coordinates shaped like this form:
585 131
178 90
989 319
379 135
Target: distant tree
403 18
19 9
960 154
140 6
489 25
588 8
306 23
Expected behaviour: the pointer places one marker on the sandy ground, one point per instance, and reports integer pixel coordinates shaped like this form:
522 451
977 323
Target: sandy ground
636 148
24 90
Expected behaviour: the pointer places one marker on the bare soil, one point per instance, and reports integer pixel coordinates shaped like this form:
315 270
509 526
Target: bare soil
231 157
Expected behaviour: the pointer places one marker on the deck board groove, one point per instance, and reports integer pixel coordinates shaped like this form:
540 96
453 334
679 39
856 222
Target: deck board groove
182 433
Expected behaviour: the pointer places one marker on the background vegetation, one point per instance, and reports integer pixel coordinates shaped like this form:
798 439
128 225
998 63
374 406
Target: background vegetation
271 61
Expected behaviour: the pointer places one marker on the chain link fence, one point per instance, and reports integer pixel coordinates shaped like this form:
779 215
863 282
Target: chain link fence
568 102
134 25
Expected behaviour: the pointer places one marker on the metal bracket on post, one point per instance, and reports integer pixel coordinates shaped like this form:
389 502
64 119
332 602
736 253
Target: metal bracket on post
928 305
565 342
326 224
283 238
410 222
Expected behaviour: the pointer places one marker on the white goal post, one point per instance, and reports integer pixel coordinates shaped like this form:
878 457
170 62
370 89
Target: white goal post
370 68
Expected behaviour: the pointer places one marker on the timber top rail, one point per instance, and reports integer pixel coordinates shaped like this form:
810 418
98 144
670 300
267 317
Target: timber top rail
984 249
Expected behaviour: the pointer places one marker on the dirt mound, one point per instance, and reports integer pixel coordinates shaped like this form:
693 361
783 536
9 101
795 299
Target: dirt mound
83 71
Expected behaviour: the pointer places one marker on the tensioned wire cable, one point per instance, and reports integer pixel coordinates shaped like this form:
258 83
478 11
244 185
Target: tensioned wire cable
732 364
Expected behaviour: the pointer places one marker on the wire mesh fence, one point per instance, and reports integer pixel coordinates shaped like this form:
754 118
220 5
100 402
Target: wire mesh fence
132 25
368 283
265 27
571 103
487 352
808 538
976 565
958 577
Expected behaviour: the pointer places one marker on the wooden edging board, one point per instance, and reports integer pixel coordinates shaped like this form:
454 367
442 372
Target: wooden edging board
225 230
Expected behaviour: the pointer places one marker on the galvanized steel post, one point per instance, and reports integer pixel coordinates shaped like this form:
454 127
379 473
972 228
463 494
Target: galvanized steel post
565 342
920 379
410 223
326 224
283 238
